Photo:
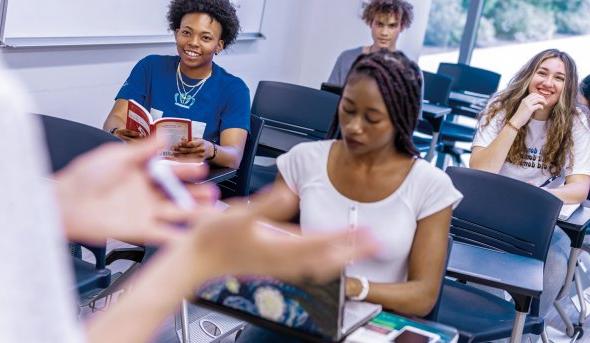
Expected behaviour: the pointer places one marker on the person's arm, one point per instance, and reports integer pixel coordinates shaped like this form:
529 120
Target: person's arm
417 296
492 157
210 250
276 202
117 121
227 154
575 189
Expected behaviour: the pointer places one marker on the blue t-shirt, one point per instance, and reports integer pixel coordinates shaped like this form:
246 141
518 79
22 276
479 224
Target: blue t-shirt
222 103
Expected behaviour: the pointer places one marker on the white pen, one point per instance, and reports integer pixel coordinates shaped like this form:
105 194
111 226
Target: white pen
353 218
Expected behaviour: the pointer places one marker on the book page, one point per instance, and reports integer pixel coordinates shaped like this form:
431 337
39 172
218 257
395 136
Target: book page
173 131
567 211
198 129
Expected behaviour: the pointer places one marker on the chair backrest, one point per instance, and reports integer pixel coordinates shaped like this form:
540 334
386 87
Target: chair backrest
240 184
433 315
295 108
67 139
468 78
503 213
436 88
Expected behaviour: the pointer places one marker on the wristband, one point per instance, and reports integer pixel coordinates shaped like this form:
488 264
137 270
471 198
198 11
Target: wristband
112 131
364 290
214 153
510 125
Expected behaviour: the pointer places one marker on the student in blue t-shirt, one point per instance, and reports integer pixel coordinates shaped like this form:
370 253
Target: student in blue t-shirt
191 86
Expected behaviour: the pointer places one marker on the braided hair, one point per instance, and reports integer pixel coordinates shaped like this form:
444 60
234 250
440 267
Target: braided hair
400 83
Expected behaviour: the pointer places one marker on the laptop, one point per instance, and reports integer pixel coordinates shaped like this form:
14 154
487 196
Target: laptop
306 310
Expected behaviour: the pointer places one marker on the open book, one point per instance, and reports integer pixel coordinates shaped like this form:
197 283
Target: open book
172 129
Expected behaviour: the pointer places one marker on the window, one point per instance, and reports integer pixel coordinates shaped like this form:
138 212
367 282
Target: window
512 31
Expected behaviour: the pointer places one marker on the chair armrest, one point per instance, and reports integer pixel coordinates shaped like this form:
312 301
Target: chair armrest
134 254
496 269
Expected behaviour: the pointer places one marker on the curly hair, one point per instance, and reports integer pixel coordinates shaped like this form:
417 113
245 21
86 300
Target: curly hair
585 88
558 147
221 11
400 83
400 8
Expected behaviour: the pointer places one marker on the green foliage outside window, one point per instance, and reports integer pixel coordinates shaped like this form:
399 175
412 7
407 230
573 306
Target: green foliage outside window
508 20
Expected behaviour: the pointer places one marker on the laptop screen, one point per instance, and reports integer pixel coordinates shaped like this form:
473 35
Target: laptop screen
302 308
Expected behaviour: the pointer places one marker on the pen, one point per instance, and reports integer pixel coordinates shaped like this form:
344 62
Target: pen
548 181
352 224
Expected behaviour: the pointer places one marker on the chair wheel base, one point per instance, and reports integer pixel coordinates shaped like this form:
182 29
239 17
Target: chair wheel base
578 330
577 333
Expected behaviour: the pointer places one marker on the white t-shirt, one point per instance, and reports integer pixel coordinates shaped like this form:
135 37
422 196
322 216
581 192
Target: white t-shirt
425 191
36 300
533 170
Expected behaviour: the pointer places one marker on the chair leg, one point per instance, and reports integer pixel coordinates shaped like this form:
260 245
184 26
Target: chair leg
186 335
571 275
581 297
544 336
518 327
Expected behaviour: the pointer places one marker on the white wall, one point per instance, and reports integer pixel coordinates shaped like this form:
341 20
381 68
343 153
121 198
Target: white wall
304 38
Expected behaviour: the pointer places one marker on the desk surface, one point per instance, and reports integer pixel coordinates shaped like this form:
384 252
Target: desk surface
496 269
576 225
468 98
219 174
282 140
434 111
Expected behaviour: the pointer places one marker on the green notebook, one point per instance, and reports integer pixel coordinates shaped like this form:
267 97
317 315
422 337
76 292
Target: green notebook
387 327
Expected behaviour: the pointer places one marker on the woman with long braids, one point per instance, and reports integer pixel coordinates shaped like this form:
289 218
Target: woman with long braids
192 86
373 178
533 132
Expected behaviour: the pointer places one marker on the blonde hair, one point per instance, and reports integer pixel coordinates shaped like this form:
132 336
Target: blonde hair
559 144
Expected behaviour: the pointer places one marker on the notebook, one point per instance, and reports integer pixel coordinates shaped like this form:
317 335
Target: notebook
310 311
567 211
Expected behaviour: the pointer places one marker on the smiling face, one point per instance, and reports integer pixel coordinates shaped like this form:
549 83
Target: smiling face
385 29
197 41
364 119
549 80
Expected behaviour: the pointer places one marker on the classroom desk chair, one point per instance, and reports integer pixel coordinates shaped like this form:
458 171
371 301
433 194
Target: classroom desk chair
575 227
471 89
502 229
292 114
65 141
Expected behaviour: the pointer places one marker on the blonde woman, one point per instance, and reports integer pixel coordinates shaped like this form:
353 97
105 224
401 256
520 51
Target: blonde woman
533 132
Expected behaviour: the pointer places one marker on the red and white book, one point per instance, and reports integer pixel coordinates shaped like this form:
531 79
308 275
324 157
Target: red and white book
172 129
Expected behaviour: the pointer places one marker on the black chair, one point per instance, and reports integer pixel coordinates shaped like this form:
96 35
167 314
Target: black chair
433 315
471 88
65 141
511 222
240 184
292 114
434 110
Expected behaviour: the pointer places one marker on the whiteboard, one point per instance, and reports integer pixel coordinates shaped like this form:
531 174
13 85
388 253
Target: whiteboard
87 22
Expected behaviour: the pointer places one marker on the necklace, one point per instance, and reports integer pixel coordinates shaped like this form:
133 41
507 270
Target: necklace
184 98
